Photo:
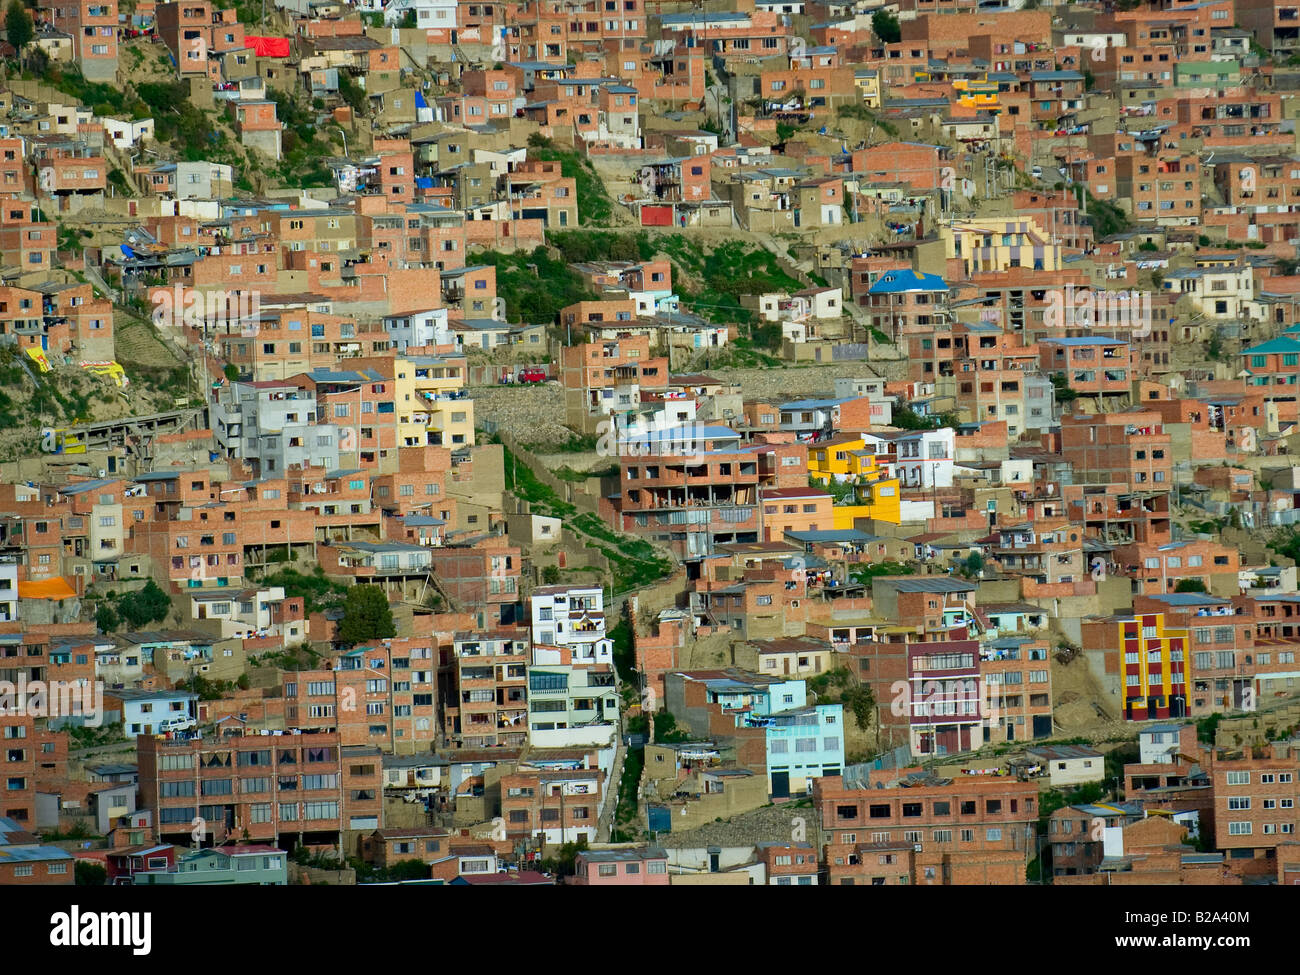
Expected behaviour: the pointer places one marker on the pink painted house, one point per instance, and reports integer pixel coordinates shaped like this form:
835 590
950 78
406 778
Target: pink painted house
642 866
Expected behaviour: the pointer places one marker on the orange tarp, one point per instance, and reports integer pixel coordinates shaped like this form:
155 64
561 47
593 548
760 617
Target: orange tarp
56 588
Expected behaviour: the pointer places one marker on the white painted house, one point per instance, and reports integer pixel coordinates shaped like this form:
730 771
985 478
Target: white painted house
572 617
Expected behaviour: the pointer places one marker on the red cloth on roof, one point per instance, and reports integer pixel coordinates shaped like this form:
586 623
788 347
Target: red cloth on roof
268 47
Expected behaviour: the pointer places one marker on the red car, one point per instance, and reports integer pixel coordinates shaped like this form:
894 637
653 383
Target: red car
532 375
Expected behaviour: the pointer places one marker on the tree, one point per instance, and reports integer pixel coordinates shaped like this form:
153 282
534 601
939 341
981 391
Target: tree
232 372
353 94
865 574
366 616
885 26
90 874
551 575
409 870
145 606
566 863
106 619
1064 394
906 418
1189 585
19 29
861 702
1215 348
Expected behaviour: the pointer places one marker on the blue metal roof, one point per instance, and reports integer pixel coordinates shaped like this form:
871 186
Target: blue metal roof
902 281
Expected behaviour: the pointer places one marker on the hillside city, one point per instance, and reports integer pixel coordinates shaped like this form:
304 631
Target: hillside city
624 442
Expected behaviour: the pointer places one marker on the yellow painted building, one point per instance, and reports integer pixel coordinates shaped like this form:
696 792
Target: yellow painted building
1154 666
840 459
868 82
433 406
846 460
997 244
977 94
878 499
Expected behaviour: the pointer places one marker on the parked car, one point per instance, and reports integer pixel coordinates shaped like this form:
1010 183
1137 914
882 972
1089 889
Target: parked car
531 375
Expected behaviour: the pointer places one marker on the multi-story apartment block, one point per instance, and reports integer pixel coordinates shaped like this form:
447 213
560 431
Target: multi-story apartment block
546 806
1132 449
1254 803
1147 658
384 695
570 705
692 502
481 575
275 426
483 685
300 787
602 377
18 738
975 830
803 745
572 617
93 26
